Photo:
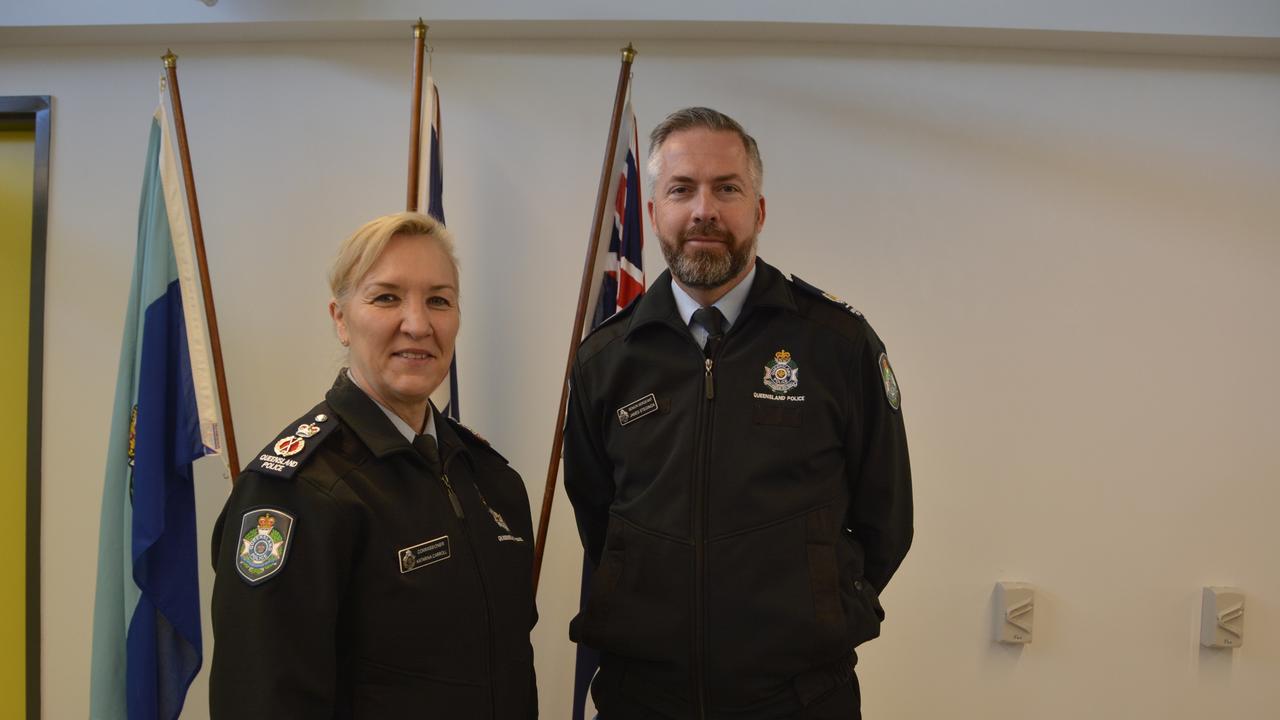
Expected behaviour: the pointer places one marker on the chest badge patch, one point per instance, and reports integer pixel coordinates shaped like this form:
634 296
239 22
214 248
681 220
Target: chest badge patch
416 557
637 409
891 391
265 540
781 374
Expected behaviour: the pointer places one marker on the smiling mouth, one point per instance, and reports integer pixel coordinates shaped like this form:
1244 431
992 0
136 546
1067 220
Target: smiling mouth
411 355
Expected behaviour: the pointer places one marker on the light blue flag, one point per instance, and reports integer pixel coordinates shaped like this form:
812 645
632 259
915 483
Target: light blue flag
146 621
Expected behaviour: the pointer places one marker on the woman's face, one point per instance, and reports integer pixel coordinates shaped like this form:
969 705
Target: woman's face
400 321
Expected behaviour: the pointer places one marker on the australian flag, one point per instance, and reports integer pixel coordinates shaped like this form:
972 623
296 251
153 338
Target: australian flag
619 281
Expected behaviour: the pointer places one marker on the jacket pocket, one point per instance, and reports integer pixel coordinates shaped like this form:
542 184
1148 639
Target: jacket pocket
638 606
861 599
384 691
774 608
775 412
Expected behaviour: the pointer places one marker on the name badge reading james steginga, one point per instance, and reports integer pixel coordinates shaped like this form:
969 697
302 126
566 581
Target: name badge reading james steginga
637 409
416 557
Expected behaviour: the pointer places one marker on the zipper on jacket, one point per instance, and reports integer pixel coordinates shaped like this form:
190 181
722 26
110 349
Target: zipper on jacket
453 497
490 651
700 515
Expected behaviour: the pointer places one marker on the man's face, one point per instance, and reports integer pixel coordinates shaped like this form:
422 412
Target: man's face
705 209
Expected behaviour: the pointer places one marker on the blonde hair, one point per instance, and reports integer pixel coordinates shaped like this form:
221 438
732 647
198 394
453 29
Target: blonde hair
359 252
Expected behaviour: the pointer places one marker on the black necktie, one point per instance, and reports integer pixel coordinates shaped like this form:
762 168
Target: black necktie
713 320
426 447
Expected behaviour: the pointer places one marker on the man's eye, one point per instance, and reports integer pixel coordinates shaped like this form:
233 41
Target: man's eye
730 188
678 190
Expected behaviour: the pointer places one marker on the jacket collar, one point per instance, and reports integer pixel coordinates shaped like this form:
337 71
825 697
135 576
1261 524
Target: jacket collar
658 305
371 425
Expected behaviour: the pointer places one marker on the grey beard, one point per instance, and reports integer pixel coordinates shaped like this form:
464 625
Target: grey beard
707 269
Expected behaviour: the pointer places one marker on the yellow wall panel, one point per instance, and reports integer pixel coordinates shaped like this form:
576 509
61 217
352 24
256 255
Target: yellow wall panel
17 162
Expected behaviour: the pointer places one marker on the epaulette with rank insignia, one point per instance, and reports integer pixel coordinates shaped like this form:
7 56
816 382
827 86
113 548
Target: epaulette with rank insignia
296 443
616 317
815 290
468 433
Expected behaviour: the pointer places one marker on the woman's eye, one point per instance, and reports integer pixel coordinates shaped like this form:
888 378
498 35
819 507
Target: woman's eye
384 299
440 301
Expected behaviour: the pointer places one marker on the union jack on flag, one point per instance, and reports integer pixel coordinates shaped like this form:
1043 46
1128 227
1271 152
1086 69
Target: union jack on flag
619 262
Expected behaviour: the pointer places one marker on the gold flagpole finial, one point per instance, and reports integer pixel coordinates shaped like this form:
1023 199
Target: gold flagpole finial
628 53
170 60
420 30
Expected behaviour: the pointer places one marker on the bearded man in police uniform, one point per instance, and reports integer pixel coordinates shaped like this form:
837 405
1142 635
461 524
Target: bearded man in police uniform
737 462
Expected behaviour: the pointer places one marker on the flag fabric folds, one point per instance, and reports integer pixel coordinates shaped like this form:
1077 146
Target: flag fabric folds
431 197
617 282
146 625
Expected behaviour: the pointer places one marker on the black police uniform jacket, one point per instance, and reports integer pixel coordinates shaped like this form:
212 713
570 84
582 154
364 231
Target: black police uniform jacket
741 532
385 602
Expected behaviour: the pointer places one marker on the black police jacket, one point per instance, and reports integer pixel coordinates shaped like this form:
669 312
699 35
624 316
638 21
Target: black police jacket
743 511
349 587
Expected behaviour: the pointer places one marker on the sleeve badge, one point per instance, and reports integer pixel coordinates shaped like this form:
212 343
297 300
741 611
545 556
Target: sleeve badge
265 540
891 391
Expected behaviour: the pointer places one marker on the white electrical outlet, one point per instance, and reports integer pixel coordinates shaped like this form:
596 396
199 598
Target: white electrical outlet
1222 617
1015 605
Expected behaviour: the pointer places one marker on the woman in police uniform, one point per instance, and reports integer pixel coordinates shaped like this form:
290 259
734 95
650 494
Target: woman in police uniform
374 560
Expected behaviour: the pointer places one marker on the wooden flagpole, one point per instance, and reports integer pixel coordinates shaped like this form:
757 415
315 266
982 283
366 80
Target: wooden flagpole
415 114
579 318
197 231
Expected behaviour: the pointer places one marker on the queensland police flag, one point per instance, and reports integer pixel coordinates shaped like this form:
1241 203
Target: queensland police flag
617 282
146 619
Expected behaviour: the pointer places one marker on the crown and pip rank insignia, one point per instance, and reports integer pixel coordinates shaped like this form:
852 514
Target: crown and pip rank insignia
781 374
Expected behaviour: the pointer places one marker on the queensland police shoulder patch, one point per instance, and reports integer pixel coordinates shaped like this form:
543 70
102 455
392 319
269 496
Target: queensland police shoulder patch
891 391
295 444
266 535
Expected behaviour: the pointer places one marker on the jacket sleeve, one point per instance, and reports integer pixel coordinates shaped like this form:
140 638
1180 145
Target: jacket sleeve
880 510
588 474
275 645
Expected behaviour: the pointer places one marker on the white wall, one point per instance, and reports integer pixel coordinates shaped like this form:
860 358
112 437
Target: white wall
1072 258
1241 18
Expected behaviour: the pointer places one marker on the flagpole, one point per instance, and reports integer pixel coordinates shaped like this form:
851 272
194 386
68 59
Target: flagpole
197 231
415 113
579 318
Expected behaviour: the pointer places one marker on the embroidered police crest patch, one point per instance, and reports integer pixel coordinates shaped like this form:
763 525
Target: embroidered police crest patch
891 391
265 539
782 374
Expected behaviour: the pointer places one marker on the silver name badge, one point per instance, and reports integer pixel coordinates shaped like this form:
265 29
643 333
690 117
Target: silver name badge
637 409
423 554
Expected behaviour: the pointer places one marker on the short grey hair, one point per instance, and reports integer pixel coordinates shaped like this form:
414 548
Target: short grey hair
359 252
706 118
